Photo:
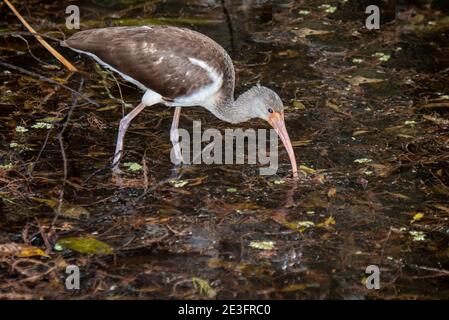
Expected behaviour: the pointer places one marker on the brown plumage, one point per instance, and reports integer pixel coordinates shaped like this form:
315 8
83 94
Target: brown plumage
151 55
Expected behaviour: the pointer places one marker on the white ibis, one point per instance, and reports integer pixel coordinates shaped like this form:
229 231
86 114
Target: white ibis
179 68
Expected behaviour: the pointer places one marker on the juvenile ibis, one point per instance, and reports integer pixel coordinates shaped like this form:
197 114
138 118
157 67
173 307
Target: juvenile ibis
178 67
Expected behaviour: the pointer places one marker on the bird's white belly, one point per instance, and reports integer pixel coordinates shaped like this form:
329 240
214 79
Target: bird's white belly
205 96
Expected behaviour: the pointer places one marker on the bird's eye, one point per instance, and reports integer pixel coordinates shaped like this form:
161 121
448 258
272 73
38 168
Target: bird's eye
270 110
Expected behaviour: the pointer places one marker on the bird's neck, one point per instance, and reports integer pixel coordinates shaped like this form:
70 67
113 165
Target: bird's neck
235 111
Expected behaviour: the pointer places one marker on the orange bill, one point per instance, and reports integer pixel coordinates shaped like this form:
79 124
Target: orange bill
277 122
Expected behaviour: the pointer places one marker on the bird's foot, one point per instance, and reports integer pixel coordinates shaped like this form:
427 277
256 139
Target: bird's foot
117 176
176 172
124 180
117 171
300 175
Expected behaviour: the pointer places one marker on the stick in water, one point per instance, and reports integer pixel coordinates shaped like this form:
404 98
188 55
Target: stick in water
47 46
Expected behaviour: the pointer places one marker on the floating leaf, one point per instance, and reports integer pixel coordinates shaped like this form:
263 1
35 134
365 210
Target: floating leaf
179 183
6 166
27 251
418 216
328 8
16 249
382 56
305 224
418 235
84 245
262 245
203 287
307 169
300 226
363 160
328 222
21 129
133 166
42 125
298 105
410 123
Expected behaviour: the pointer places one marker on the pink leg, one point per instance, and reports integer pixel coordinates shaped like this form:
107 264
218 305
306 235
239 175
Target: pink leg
124 124
174 135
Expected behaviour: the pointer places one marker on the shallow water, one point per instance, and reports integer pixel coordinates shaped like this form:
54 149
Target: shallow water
365 110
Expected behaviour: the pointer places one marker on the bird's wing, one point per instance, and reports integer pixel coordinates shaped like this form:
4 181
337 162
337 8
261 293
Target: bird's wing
167 60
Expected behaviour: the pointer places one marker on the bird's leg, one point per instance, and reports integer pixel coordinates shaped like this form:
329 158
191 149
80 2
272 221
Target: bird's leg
174 136
124 124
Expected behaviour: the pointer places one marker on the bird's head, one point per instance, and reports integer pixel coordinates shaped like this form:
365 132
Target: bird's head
267 105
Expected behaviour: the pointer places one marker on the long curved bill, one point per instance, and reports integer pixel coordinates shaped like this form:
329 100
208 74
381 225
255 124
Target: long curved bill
276 120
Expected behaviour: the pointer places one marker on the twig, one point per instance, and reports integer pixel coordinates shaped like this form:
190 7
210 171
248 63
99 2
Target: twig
44 236
31 52
435 105
442 271
25 237
93 174
122 102
230 27
47 46
64 156
45 79
27 33
41 151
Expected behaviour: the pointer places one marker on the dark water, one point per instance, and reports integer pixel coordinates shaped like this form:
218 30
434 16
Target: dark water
366 110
